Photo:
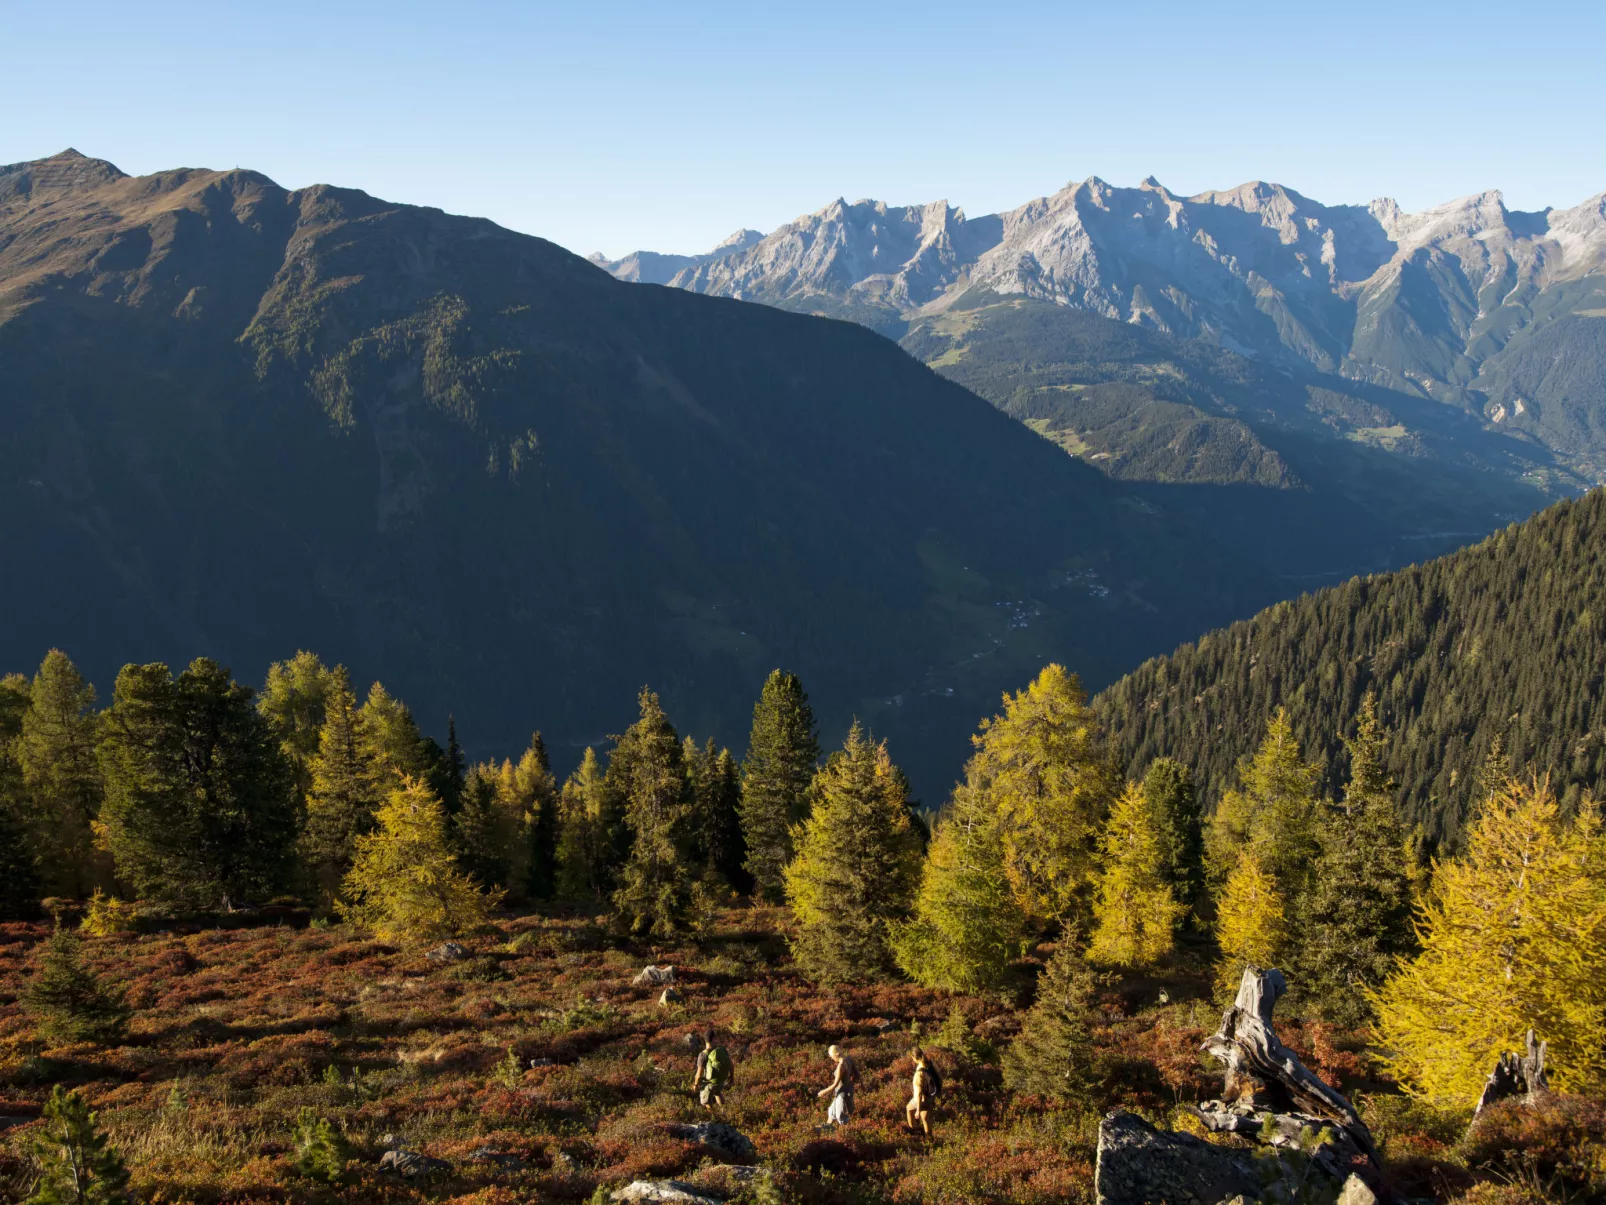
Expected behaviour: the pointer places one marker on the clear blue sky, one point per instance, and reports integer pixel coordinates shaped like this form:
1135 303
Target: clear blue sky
610 126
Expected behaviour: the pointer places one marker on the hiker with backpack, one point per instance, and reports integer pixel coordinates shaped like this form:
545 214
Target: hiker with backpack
715 1072
840 1089
927 1087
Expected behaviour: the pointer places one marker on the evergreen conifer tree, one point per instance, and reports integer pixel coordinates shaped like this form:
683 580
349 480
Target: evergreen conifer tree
61 779
1135 913
19 883
782 752
1513 938
967 925
533 783
78 1166
1251 922
590 815
452 772
200 806
1040 767
343 789
404 882
293 701
715 826
1359 916
1052 1056
1274 809
1169 789
68 1000
492 829
647 772
857 866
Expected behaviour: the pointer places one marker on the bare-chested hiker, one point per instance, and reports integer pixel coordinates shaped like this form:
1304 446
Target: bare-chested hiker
927 1086
715 1073
840 1089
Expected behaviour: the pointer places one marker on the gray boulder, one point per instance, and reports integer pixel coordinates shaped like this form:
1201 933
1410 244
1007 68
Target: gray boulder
672 1192
410 1165
502 1159
448 952
653 976
716 1135
671 996
1138 1165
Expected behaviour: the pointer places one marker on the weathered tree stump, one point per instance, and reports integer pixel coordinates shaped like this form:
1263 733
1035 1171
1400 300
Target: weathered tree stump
1516 1075
1263 1075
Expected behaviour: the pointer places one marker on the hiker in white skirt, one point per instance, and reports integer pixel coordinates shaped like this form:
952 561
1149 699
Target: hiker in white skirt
840 1089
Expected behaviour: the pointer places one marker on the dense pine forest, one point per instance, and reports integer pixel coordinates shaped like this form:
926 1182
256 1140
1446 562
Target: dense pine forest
1499 646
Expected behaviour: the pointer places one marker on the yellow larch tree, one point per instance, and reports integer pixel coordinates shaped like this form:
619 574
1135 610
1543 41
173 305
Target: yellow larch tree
1251 922
1135 913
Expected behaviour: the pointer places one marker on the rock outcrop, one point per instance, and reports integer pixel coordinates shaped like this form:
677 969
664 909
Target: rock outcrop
1140 1165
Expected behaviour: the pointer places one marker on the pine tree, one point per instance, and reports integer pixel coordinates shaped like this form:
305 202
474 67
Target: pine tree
293 701
1251 922
60 776
1359 917
1136 912
1053 1057
590 816
343 789
1513 938
200 806
1169 789
404 882
646 770
533 783
1041 769
715 824
967 926
391 738
68 1000
78 1166
857 865
782 752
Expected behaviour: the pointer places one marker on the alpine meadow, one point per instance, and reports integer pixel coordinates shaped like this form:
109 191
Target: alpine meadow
1098 699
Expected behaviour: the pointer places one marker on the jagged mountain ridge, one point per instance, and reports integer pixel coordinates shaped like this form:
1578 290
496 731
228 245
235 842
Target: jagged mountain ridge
1448 303
239 420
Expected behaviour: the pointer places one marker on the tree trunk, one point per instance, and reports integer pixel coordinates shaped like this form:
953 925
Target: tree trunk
1516 1075
1262 1072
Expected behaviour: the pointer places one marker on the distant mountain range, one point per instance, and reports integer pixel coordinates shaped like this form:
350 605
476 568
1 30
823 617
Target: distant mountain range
238 420
1497 312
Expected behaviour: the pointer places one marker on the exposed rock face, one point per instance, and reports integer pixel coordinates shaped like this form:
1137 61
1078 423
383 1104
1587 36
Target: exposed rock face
1139 1165
672 1192
651 268
654 976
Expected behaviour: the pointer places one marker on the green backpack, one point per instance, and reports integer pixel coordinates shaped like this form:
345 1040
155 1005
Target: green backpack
718 1067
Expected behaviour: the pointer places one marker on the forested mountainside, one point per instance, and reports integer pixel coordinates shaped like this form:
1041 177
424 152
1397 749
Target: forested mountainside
1494 311
1502 642
238 421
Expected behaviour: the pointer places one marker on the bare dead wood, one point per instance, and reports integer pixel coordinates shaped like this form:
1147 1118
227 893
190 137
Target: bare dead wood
1263 1074
1516 1075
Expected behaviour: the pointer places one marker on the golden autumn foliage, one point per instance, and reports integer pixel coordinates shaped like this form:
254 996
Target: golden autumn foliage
404 882
1251 922
1135 913
1513 937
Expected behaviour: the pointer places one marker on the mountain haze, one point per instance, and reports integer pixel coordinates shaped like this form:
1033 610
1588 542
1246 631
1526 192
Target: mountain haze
240 420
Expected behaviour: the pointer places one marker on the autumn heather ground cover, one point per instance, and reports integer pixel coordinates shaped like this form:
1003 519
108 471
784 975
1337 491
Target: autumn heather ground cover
236 1031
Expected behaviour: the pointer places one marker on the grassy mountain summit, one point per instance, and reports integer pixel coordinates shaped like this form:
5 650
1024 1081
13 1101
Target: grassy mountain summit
1504 641
241 420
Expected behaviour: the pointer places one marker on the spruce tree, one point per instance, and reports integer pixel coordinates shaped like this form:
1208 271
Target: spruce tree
715 825
68 1000
1136 911
646 771
1169 789
1052 1056
1251 923
782 752
61 779
967 926
1040 767
404 881
200 804
590 815
492 829
343 789
1513 938
451 771
1359 917
78 1166
293 701
19 881
533 783
857 866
